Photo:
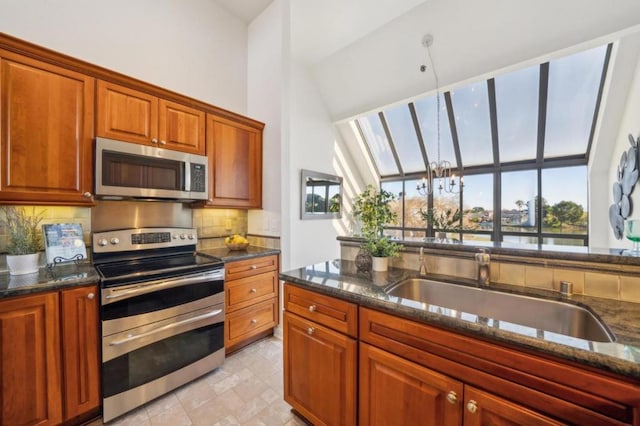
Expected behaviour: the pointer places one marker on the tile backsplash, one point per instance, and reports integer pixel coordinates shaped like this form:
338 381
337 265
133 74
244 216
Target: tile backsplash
54 214
620 283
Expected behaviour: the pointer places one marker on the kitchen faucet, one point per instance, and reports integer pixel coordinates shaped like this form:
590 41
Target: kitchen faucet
483 260
423 265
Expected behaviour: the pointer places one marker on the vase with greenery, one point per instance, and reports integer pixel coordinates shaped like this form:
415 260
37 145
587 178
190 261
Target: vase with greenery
24 239
373 208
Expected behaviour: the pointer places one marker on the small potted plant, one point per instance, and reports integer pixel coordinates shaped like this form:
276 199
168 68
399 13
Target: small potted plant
373 209
24 240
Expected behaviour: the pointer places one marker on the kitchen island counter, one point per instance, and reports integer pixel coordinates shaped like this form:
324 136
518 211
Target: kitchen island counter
340 278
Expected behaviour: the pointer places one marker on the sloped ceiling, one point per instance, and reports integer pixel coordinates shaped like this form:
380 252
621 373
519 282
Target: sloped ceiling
379 65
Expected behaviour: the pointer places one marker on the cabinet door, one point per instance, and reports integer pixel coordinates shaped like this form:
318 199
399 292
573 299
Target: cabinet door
30 361
319 372
235 157
80 354
396 391
482 408
181 127
46 124
126 114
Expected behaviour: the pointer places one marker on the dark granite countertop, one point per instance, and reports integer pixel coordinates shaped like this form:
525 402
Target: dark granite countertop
556 252
62 276
231 255
340 278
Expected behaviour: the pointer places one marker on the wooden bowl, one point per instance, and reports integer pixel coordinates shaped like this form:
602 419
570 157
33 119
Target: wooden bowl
242 246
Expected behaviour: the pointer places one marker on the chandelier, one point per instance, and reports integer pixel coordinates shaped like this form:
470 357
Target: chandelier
439 172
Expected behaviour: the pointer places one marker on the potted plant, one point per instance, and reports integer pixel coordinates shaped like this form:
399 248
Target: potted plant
373 209
24 240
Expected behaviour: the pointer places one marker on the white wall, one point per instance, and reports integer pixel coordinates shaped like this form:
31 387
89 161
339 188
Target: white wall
193 47
630 124
267 53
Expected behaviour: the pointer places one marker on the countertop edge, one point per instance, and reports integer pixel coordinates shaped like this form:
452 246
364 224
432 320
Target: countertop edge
600 361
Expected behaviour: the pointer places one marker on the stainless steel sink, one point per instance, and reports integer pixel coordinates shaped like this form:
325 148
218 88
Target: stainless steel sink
539 314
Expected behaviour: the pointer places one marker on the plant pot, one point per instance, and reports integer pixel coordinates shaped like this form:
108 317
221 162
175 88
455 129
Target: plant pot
379 264
23 263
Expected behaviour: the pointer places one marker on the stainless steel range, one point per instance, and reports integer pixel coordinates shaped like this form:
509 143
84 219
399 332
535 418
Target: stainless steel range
162 313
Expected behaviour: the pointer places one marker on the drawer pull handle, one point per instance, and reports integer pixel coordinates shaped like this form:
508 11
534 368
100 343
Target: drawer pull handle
254 321
452 397
253 267
253 290
472 406
311 330
312 308
91 296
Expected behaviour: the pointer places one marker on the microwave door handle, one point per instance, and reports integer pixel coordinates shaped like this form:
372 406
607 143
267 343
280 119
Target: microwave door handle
187 176
165 327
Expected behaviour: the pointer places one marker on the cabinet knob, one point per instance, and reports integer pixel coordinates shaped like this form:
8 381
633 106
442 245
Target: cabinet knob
253 267
452 397
311 330
91 296
163 142
472 406
154 140
87 195
312 308
254 321
253 290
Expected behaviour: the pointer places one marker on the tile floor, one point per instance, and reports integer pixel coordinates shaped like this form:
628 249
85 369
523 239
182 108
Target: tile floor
246 390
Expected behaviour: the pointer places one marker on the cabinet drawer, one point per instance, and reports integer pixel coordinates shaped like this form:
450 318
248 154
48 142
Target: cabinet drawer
246 322
245 268
250 290
325 310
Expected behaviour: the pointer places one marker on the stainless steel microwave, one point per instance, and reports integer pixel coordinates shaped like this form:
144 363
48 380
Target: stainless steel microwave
129 170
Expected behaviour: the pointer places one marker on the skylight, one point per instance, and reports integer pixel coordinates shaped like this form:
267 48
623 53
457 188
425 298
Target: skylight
513 137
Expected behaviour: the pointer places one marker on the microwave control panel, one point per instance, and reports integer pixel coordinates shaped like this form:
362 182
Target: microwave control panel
198 177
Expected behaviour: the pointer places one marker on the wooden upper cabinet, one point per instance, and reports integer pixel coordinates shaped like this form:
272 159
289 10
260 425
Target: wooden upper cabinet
133 116
80 355
181 127
46 122
235 159
125 114
30 373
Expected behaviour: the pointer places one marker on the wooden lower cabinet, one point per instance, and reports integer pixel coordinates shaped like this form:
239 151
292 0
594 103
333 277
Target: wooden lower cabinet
80 357
50 363
251 301
320 370
482 408
396 391
30 368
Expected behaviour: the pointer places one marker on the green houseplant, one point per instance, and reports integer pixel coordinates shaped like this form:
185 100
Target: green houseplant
373 209
443 220
24 239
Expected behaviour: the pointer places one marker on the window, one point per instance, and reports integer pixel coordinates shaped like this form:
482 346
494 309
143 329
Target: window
522 141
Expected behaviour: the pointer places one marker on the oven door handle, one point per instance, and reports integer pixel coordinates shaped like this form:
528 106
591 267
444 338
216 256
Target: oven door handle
165 327
163 284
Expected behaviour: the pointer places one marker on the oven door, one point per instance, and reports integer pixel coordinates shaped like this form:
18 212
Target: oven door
145 362
134 305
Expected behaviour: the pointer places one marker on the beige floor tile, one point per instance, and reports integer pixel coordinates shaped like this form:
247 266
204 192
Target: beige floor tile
245 390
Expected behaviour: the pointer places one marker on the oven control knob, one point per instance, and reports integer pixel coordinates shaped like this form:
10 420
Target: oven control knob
183 236
102 242
190 236
115 241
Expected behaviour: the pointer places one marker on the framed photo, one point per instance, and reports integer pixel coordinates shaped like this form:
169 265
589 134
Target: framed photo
63 242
